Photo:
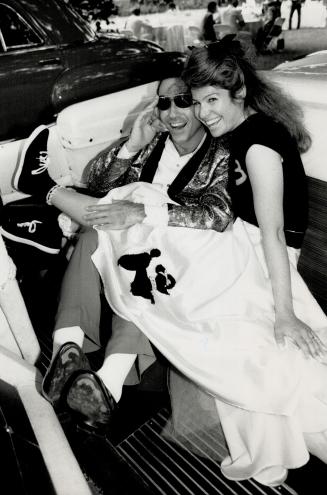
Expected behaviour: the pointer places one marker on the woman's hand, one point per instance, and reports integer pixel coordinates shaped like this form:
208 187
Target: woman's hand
116 216
301 335
145 127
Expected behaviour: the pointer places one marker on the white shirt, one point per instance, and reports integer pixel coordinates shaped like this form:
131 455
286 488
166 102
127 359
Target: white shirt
169 166
232 17
136 24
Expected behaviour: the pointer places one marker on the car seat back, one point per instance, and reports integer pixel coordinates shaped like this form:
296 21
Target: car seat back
16 331
81 131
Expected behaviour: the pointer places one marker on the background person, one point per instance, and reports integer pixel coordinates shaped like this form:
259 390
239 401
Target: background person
208 23
232 16
296 6
264 31
276 6
172 10
138 27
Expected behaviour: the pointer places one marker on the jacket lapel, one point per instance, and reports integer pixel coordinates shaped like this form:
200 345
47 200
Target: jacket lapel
150 167
189 170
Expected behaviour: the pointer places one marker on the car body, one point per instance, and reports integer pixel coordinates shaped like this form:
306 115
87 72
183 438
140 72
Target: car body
51 58
305 80
314 63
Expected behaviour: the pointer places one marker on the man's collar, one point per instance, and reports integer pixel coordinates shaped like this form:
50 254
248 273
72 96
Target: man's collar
171 142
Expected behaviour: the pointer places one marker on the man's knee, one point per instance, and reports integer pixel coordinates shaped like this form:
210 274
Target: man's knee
80 265
88 241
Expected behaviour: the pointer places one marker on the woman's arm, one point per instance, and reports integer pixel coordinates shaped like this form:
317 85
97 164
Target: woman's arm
266 177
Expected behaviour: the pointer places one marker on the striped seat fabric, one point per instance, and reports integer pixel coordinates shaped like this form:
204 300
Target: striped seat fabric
313 259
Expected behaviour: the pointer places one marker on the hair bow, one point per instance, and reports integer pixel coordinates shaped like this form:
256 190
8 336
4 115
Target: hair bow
227 45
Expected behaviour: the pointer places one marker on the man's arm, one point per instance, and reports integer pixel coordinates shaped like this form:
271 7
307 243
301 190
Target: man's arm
111 167
204 203
106 171
212 210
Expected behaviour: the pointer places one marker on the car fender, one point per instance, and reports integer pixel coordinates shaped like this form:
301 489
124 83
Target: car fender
97 79
84 82
309 90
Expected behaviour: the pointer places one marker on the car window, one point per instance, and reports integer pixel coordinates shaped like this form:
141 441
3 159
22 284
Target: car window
14 31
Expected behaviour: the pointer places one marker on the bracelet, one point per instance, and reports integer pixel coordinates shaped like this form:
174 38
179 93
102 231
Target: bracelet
49 196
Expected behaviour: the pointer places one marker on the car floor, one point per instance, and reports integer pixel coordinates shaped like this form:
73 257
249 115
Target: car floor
131 456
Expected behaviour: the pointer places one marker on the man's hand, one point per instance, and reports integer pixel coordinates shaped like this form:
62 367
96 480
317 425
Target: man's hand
145 127
116 216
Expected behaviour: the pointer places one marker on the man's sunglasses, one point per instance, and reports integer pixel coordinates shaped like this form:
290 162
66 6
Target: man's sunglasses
183 100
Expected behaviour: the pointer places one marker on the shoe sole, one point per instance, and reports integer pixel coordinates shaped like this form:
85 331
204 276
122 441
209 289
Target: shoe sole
27 142
107 399
22 240
48 377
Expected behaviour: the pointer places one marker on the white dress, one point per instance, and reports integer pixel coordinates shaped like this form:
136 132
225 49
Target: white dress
215 323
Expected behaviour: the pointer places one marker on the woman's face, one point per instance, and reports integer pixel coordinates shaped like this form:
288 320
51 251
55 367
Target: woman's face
217 110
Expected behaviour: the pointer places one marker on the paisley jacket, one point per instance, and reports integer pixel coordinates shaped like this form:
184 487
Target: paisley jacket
200 188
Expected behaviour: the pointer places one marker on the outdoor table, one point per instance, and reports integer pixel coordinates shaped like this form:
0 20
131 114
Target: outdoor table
170 36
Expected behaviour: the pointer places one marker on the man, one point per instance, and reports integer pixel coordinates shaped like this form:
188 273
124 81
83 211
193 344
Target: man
296 6
208 23
188 164
135 24
265 30
232 16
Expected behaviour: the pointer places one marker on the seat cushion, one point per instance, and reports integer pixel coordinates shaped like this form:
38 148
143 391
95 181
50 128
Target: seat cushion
313 259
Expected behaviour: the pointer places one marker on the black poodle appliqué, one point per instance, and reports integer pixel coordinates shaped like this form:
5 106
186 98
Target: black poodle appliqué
162 278
141 285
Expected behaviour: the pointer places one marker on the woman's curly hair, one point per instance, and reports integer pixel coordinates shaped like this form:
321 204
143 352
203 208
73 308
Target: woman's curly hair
224 64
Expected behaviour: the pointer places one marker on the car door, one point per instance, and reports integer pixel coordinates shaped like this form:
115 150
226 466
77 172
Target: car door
105 66
100 67
29 65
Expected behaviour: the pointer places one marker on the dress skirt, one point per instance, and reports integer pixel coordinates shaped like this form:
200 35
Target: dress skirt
204 299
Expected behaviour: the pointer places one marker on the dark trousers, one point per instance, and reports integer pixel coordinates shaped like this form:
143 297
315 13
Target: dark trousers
81 304
296 7
80 295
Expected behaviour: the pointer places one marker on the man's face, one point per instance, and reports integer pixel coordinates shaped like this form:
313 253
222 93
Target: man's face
185 130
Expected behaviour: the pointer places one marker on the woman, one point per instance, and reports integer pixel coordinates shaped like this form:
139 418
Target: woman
268 190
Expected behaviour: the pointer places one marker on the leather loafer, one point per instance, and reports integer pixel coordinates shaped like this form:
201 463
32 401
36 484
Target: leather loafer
88 397
69 359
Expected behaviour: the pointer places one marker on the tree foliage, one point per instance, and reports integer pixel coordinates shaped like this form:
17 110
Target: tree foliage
100 8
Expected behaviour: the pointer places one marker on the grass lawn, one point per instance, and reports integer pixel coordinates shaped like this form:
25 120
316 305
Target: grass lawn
298 42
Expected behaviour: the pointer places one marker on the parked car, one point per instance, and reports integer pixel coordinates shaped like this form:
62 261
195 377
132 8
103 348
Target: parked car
50 58
314 63
135 458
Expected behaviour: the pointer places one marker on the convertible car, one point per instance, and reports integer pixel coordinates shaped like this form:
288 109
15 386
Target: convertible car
50 58
48 453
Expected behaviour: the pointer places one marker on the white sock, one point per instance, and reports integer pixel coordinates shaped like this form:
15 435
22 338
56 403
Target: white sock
114 371
64 335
